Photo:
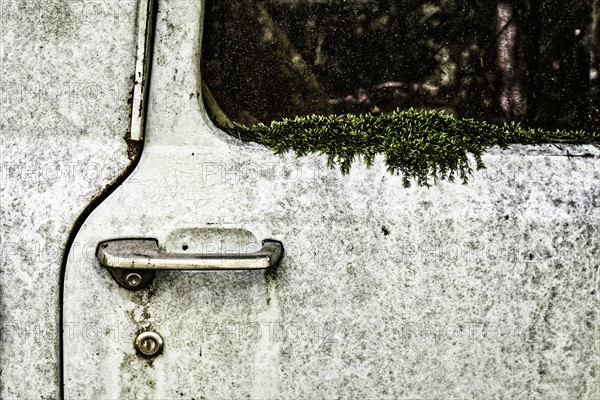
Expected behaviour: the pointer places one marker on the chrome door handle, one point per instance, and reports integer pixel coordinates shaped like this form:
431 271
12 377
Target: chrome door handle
134 262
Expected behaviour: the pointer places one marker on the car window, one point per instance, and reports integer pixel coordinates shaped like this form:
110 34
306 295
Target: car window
500 61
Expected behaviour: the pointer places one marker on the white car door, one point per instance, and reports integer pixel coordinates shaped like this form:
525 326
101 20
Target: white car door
382 291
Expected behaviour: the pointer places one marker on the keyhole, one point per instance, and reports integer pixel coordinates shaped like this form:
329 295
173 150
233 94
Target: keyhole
149 343
148 346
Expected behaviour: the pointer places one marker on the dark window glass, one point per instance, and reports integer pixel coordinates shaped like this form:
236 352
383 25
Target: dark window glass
532 61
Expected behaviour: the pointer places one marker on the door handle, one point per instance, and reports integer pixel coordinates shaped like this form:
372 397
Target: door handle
134 262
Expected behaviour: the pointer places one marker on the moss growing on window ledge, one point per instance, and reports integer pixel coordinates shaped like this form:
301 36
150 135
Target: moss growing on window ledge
424 146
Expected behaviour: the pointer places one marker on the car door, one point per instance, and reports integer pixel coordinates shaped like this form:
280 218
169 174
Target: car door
382 291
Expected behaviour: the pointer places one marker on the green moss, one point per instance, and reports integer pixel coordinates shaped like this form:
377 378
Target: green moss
423 146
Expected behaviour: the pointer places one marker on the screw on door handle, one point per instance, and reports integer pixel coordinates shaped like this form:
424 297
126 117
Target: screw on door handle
134 262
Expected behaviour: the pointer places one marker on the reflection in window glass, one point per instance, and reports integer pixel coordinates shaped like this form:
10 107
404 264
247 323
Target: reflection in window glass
530 61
